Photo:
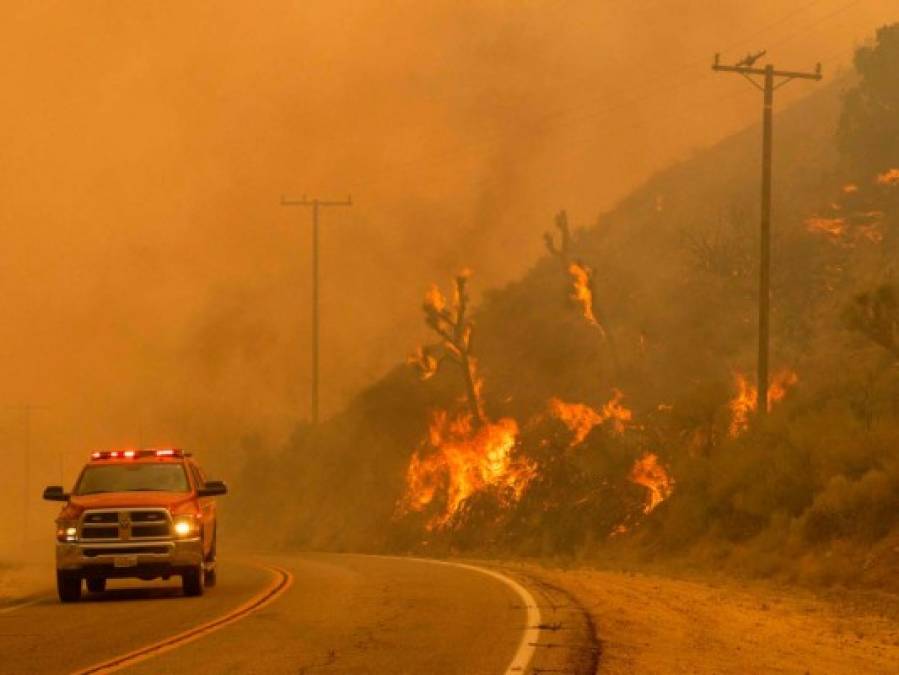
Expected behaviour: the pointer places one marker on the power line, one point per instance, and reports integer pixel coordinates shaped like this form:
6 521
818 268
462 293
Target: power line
650 91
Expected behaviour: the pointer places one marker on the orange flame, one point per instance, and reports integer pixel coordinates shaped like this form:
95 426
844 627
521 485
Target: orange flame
459 461
850 188
582 293
434 298
872 231
650 474
617 413
744 404
581 418
578 417
425 362
890 177
832 227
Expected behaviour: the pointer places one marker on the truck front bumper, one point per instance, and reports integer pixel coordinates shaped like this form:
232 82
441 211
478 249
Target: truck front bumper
145 559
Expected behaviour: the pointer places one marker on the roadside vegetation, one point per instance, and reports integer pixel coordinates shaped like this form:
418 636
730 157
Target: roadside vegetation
604 404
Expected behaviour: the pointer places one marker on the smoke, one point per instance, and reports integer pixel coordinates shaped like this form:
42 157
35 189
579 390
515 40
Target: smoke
154 290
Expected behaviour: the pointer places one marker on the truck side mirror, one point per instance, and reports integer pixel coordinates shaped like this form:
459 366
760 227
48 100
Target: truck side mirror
212 488
55 493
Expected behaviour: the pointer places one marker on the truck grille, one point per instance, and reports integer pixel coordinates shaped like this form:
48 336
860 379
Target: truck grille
125 550
125 525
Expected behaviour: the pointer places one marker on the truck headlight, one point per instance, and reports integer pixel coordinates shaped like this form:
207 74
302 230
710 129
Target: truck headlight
185 526
66 532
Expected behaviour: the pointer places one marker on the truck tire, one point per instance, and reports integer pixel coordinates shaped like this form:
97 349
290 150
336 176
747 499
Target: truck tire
96 584
192 581
68 587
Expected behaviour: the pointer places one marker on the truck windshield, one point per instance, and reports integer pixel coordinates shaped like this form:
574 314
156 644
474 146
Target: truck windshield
132 478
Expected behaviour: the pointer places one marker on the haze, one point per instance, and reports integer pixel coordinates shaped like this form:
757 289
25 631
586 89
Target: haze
156 292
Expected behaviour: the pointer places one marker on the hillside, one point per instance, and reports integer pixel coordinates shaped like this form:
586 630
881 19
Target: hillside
610 411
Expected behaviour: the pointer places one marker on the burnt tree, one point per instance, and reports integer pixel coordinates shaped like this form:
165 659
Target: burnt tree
454 327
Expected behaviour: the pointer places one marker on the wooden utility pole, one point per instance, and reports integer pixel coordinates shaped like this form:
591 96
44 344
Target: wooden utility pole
316 204
773 79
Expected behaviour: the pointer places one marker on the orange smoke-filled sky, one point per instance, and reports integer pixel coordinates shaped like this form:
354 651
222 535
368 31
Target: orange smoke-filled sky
154 289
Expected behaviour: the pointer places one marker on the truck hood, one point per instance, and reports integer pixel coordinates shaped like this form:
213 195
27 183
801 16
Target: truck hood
174 501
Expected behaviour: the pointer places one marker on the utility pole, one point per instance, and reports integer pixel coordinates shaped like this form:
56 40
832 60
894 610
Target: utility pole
316 204
773 80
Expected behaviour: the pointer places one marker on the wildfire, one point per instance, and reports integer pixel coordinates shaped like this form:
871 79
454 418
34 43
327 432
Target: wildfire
434 298
617 413
850 188
458 460
743 405
650 474
832 227
578 417
890 177
581 418
425 362
872 231
582 292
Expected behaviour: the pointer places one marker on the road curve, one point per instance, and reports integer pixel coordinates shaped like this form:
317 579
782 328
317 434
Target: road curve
331 614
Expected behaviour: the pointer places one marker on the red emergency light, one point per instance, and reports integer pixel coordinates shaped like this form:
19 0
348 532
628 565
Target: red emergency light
134 454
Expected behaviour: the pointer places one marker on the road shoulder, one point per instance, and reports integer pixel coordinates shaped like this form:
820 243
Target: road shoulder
654 624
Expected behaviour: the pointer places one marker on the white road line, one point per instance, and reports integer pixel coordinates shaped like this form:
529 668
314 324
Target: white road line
13 608
531 634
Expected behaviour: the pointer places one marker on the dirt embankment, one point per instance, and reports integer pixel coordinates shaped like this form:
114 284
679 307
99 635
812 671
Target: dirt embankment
19 583
23 576
652 624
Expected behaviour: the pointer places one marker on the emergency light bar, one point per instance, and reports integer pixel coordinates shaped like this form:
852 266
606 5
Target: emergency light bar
133 454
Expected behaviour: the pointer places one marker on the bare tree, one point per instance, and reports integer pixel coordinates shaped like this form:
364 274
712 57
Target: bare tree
723 249
564 249
454 327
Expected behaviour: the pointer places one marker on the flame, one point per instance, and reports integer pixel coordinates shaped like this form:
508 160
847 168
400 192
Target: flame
425 362
581 292
743 405
779 386
459 461
872 231
434 298
890 177
832 227
850 188
581 418
617 413
650 474
578 417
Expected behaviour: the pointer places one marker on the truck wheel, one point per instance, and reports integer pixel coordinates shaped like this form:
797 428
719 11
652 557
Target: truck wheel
68 587
96 584
192 581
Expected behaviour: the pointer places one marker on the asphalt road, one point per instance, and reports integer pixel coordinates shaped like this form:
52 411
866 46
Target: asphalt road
327 614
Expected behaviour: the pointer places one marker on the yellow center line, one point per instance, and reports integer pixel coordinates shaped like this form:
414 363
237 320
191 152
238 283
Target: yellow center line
282 580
